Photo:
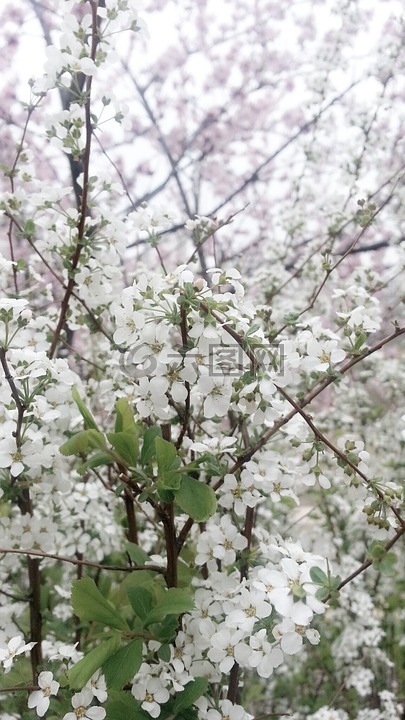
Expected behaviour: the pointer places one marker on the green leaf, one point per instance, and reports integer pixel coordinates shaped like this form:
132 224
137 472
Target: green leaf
96 439
19 675
126 445
165 631
29 229
100 458
166 456
360 340
164 653
125 417
333 583
318 576
184 572
192 691
385 564
76 445
196 499
85 413
142 601
80 673
148 451
166 496
189 714
89 604
123 665
170 480
82 442
376 550
137 555
321 593
123 706
173 602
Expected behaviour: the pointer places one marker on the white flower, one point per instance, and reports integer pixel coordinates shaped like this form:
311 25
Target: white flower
203 223
228 711
153 398
13 304
151 692
321 355
81 709
215 445
239 494
326 713
290 635
14 647
227 647
219 542
39 699
98 687
362 318
217 392
265 657
362 680
250 607
67 652
128 320
11 457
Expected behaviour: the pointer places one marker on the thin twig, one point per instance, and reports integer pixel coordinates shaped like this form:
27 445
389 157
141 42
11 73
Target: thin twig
75 561
85 193
338 453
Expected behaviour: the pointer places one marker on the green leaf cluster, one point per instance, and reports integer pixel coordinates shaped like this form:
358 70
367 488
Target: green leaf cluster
153 613
124 444
195 498
328 585
383 561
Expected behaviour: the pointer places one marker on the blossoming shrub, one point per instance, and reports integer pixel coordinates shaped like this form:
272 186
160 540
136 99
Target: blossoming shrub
196 488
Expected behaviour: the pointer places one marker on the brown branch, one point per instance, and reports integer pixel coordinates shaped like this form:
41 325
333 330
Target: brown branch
342 257
21 408
186 416
25 505
60 280
11 174
233 685
320 436
366 564
87 563
131 517
211 233
16 688
318 388
311 395
173 164
84 198
254 176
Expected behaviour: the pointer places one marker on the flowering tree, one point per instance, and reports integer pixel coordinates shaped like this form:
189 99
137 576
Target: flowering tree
200 489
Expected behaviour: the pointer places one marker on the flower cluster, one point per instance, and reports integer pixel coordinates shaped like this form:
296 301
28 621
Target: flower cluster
197 461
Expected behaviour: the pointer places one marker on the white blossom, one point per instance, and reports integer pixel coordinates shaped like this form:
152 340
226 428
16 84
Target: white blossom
40 699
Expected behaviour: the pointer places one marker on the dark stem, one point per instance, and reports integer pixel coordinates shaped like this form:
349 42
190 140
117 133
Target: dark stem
34 578
186 416
338 453
132 532
84 197
250 513
25 506
171 545
366 564
78 561
233 687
